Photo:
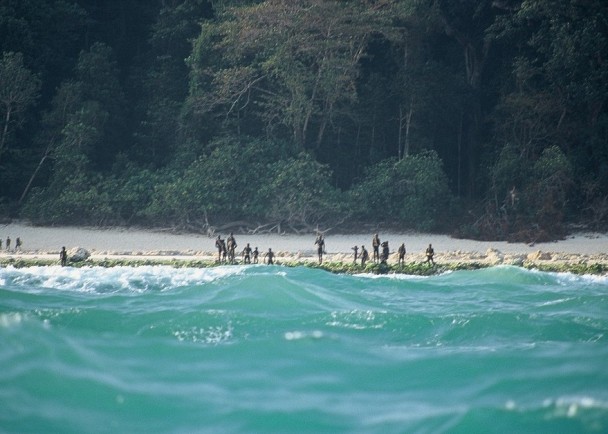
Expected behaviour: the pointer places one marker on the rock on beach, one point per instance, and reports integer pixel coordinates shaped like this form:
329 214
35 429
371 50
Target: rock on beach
539 256
78 254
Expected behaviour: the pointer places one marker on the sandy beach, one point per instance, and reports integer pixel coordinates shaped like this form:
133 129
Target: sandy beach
121 242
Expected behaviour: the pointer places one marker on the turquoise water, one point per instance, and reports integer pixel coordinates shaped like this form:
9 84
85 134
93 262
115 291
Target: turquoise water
269 349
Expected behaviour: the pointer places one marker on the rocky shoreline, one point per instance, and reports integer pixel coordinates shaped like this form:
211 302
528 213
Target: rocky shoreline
338 262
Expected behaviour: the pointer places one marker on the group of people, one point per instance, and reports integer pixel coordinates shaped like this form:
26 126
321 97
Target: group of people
18 244
382 256
226 250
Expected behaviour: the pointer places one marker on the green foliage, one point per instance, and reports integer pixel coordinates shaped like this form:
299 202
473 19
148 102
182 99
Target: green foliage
528 120
78 201
530 197
98 75
81 134
412 192
19 89
295 63
221 186
82 123
298 192
245 180
552 182
509 170
569 46
115 200
48 33
163 82
193 114
129 193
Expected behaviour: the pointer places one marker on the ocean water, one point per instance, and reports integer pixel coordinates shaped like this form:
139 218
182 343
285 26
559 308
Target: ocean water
256 349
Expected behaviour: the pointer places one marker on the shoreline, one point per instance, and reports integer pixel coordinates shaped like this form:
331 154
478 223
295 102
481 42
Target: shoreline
338 267
120 246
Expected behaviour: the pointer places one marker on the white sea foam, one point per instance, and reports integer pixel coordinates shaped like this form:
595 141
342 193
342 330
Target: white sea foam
11 319
571 406
554 302
394 276
113 279
579 401
298 335
209 335
357 320
567 278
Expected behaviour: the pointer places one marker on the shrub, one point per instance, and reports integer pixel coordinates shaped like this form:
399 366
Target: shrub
298 192
412 192
220 186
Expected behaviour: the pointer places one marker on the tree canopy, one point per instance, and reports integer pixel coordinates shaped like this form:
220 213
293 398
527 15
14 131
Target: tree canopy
485 118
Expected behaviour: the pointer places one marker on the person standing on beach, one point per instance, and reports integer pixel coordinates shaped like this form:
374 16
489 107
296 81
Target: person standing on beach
231 242
401 253
385 252
18 244
269 256
364 256
256 252
430 252
8 243
356 249
376 247
221 248
320 242
63 257
247 254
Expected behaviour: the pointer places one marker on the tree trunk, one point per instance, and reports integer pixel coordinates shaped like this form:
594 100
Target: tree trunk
313 96
400 133
7 120
459 168
408 124
323 125
31 181
405 122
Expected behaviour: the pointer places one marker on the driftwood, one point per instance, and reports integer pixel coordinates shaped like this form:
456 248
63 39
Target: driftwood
262 229
245 227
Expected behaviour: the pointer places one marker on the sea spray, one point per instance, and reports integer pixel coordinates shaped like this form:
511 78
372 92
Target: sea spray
279 349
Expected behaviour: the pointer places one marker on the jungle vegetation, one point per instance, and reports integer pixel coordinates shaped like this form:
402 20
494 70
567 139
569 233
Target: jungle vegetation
481 118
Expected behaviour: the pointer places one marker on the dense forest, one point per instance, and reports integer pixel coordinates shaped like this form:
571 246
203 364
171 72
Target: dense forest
481 118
